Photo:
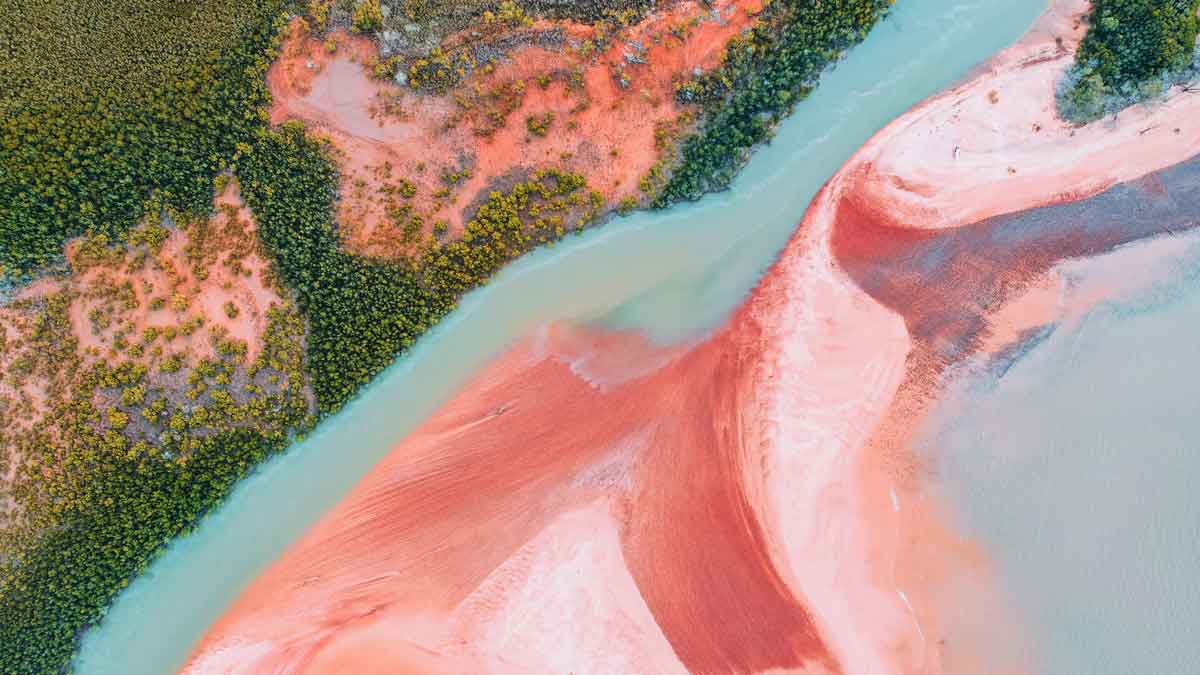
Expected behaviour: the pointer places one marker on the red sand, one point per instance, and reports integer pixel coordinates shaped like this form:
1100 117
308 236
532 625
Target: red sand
1014 153
600 130
750 503
497 465
171 274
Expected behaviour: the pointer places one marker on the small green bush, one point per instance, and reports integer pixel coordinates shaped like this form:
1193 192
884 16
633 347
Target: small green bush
368 16
539 125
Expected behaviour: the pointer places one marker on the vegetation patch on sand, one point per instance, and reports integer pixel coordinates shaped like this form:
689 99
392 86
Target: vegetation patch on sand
1134 51
104 119
424 133
133 393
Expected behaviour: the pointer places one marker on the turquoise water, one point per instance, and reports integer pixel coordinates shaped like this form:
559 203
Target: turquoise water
1077 470
671 274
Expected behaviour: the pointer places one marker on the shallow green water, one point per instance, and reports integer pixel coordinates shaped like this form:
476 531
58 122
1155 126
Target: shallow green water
672 274
1078 468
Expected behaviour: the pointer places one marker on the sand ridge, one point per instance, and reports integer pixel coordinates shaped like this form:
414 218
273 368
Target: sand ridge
747 504
1013 152
610 106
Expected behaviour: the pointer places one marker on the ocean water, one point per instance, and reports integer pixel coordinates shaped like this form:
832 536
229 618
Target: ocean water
1076 467
672 274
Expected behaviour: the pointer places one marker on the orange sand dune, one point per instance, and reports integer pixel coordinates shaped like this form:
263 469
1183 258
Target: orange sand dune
745 504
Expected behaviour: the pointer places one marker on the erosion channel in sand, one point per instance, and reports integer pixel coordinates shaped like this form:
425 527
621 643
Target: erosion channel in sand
661 287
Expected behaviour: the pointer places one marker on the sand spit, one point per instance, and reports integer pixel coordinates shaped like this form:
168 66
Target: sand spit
590 503
921 226
1013 152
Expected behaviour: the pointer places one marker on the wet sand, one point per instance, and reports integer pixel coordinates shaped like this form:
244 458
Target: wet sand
747 503
601 129
1013 153
440 530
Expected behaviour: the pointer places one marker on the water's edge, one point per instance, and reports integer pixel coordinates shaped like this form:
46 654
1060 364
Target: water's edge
669 273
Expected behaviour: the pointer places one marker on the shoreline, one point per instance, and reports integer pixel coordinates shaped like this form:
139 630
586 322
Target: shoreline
1014 153
949 194
784 392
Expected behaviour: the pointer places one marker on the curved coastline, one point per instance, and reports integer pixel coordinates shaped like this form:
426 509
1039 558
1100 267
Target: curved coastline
805 400
754 496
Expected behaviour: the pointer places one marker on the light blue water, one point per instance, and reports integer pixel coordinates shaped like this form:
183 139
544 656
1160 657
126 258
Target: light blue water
1079 472
671 274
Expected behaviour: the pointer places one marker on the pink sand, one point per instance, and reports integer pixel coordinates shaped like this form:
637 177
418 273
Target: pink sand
748 504
1015 153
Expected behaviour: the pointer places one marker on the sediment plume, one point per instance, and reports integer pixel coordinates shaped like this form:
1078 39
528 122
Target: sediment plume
591 502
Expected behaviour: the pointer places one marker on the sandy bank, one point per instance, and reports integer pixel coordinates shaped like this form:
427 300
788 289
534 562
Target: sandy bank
590 503
1013 152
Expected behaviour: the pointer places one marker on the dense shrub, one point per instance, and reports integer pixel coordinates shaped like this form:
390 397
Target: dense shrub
104 538
1135 40
368 16
1133 51
534 212
589 10
762 77
103 118
362 313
